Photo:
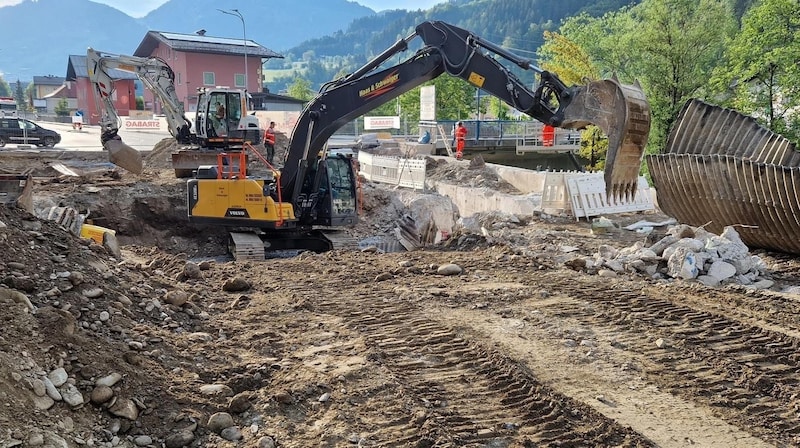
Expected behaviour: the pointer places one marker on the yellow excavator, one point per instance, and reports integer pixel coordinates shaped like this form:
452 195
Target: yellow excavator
316 190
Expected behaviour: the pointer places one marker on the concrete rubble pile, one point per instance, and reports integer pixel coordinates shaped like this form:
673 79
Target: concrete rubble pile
686 253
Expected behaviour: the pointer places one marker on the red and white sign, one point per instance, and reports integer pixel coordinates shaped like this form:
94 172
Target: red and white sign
134 124
381 123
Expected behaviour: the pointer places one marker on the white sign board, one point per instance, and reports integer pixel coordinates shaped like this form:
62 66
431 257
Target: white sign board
133 123
427 103
381 123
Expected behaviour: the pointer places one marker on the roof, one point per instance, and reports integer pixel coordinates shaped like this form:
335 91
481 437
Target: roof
76 68
49 80
67 90
195 43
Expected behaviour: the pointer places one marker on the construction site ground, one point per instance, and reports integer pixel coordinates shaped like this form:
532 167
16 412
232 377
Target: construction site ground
176 345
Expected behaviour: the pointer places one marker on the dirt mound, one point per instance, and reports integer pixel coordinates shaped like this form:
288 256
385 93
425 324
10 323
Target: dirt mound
474 173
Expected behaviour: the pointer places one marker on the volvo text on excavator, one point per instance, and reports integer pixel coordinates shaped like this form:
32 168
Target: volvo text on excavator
229 130
314 189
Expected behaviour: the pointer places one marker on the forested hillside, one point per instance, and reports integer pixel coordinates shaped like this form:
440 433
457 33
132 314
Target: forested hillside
515 24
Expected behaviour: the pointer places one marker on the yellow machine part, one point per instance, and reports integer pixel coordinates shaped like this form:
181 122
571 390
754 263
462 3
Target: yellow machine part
236 199
96 233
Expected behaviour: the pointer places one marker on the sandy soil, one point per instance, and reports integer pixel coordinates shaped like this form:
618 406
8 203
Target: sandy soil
349 348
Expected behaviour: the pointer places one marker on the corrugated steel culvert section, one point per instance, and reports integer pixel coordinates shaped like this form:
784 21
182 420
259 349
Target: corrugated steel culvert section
722 168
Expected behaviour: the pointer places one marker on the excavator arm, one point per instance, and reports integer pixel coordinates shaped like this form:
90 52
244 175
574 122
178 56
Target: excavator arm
620 110
158 77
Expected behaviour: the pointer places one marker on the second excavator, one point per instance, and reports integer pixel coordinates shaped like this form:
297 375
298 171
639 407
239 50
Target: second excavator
314 189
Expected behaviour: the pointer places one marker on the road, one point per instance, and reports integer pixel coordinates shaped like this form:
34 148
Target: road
88 139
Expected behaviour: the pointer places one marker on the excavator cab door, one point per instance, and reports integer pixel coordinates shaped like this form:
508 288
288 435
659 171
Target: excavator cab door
337 196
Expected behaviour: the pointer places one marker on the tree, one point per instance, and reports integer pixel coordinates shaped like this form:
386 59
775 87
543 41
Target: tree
300 88
62 108
19 96
671 46
5 89
762 73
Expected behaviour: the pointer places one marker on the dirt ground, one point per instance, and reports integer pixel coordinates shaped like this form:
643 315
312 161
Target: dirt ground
176 345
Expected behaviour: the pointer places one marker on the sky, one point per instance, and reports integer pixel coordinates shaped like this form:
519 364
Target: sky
139 8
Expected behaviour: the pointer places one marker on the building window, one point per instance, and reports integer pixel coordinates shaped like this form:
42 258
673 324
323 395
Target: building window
209 79
238 80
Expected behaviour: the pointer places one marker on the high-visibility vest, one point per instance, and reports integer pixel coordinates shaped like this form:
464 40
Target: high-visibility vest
269 137
461 133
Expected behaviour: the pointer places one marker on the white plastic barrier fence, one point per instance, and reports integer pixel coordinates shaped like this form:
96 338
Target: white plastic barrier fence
408 173
587 193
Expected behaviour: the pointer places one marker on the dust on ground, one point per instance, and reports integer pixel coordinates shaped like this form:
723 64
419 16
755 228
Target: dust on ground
486 339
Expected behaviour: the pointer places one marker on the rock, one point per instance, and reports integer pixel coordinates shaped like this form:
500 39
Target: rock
406 264
75 277
101 394
58 376
93 293
192 270
236 284
216 389
15 265
708 280
266 442
763 284
142 440
219 421
608 273
661 343
176 297
205 265
16 296
44 402
125 408
108 380
239 403
36 439
383 277
179 439
38 387
324 397
449 269
721 270
682 263
104 316
71 395
51 390
232 434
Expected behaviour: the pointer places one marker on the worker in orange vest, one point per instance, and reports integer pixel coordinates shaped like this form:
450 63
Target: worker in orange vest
269 141
461 137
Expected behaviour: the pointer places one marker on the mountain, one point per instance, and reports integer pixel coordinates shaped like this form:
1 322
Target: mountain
41 34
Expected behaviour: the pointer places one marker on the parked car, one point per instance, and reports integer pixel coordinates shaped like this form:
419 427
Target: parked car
25 132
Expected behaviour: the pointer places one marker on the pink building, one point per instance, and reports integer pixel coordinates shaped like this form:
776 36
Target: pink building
204 61
124 95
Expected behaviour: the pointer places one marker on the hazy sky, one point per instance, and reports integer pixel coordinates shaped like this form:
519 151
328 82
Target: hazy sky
138 8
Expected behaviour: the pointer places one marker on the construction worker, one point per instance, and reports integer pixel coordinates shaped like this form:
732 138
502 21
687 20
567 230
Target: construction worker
269 141
461 137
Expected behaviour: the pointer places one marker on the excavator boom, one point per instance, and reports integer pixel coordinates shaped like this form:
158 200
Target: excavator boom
621 111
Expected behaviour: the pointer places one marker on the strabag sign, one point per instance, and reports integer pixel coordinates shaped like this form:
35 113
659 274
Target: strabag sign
134 124
371 123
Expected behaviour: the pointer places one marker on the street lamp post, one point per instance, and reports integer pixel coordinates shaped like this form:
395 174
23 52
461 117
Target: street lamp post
236 13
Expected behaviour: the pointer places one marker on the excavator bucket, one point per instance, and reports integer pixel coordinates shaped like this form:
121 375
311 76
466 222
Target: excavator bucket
623 113
123 155
17 190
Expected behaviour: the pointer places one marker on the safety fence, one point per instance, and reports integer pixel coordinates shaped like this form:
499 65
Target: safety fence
407 173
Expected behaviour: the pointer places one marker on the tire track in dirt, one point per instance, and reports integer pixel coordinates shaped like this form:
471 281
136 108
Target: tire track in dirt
746 372
474 394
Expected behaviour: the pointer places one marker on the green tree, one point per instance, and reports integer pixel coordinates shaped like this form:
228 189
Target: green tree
5 89
19 96
761 75
62 108
670 45
300 88
29 96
